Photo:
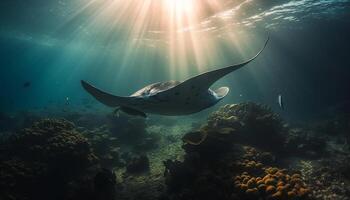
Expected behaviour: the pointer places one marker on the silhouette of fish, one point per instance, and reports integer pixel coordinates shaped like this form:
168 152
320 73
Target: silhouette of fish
27 84
280 102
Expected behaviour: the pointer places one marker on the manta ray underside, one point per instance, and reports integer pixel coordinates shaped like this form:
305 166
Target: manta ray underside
172 97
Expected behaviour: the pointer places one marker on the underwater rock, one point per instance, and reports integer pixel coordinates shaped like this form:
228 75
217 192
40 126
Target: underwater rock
138 164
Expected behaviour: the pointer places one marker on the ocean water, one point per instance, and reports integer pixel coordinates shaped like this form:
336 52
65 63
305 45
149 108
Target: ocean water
48 47
121 48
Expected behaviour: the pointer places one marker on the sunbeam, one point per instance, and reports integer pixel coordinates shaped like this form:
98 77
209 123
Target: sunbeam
181 33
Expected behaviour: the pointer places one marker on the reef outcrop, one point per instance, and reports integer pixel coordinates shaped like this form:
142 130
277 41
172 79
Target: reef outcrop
245 124
232 156
250 123
42 159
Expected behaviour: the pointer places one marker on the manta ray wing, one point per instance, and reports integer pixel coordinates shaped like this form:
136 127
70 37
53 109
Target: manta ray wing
109 99
203 81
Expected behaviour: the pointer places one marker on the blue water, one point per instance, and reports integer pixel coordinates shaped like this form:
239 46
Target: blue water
55 44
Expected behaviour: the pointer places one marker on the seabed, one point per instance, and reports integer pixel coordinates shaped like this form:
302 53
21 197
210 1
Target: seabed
241 151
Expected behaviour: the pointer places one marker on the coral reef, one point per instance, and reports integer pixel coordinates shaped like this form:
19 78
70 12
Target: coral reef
104 145
242 152
55 142
274 183
109 148
242 174
258 180
217 163
251 123
40 160
246 123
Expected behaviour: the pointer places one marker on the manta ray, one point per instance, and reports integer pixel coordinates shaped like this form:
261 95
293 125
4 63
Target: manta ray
172 97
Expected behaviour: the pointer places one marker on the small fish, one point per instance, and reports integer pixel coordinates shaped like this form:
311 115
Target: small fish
280 102
26 84
116 112
67 101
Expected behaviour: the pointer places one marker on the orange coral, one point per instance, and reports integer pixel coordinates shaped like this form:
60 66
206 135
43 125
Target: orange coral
275 184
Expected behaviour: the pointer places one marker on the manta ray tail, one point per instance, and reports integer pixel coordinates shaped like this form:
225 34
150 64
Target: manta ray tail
104 97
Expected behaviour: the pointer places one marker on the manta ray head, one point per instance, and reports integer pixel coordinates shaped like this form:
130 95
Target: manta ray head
213 97
220 93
